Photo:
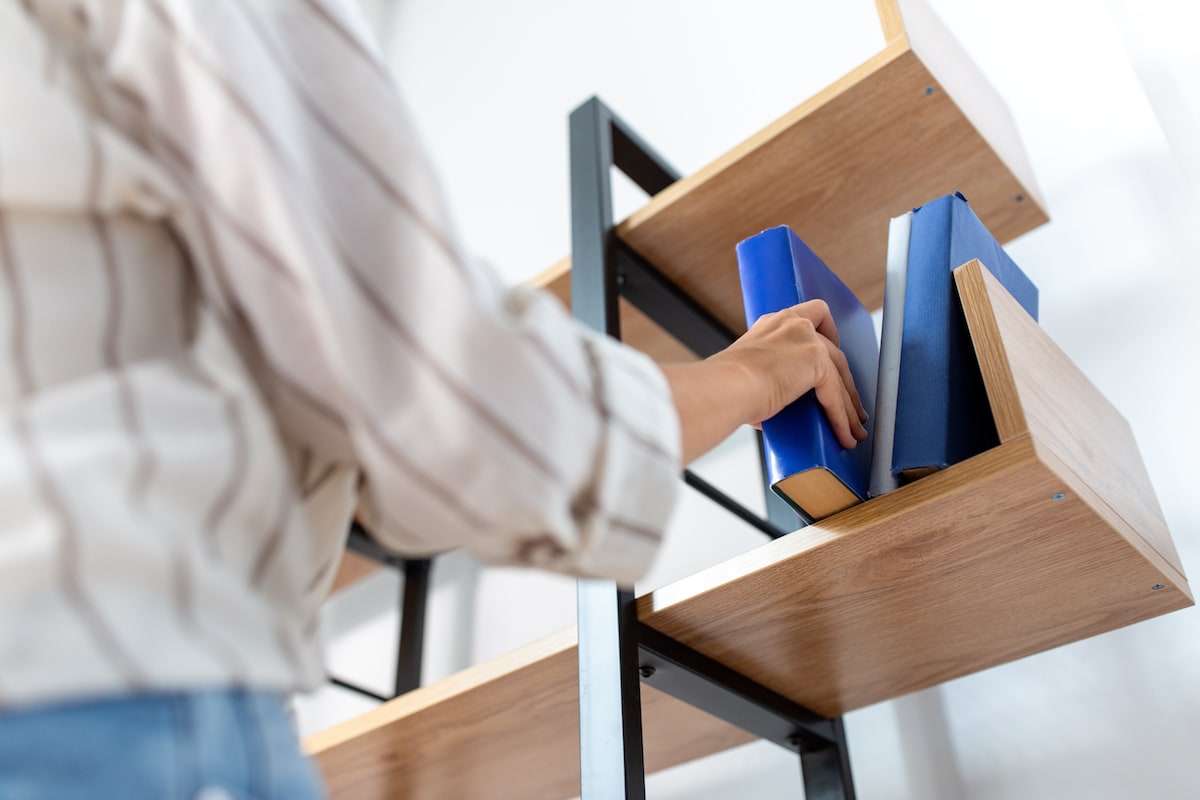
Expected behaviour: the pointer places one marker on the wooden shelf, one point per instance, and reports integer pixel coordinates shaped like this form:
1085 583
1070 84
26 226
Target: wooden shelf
1053 536
912 123
506 729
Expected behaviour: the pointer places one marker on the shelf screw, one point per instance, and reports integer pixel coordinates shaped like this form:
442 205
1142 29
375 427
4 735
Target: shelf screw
646 670
1058 496
929 90
1020 198
1156 586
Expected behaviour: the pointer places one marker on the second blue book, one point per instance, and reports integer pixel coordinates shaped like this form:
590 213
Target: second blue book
806 464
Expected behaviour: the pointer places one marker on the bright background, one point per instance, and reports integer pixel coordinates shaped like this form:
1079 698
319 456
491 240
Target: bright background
1107 98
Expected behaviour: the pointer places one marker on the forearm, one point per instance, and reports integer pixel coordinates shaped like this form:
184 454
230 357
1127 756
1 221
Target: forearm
713 399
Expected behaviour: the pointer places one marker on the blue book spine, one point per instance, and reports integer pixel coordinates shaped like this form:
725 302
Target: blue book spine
942 412
778 270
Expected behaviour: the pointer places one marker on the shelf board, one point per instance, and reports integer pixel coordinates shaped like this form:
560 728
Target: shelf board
1050 537
1053 536
969 568
912 123
508 728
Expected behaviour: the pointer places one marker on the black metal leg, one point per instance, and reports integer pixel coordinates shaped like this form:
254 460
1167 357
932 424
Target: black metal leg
413 597
826 771
826 767
732 506
612 763
610 709
412 624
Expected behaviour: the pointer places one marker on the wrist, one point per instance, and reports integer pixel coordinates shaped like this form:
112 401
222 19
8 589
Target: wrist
744 387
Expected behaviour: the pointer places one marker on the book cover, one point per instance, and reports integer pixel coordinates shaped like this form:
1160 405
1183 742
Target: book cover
887 382
806 464
942 413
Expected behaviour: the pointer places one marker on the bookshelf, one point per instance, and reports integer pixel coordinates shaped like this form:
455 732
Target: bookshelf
1053 536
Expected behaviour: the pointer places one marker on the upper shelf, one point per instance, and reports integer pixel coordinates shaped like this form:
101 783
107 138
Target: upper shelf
912 123
1052 536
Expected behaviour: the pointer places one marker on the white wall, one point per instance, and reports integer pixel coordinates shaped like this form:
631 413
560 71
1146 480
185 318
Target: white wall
491 83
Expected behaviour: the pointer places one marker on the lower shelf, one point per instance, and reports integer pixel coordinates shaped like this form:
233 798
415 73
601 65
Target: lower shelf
970 568
508 728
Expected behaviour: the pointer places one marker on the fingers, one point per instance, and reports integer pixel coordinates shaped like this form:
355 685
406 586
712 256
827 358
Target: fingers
817 312
843 405
833 398
843 368
796 350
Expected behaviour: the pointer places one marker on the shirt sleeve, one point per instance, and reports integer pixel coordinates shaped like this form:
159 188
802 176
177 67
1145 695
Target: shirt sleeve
481 417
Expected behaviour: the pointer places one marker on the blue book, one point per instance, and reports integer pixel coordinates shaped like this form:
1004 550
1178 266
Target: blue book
806 464
942 414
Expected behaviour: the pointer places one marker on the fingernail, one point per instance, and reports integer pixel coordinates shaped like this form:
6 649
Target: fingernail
863 416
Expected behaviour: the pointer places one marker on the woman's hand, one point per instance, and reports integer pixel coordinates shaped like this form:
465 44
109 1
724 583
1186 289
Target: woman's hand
780 358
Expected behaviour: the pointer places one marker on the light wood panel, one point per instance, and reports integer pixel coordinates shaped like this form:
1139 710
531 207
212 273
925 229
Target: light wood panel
890 19
971 567
891 134
505 730
1067 416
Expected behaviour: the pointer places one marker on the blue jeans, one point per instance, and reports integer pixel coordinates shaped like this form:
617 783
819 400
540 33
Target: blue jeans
208 745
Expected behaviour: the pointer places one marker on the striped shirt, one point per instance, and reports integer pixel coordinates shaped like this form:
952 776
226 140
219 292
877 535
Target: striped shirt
232 313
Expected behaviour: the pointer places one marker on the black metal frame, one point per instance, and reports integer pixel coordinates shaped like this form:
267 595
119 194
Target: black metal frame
414 594
615 649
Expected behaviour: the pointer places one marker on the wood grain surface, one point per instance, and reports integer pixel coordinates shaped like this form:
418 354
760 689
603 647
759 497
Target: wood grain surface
1034 387
1053 536
885 137
1034 544
969 568
505 730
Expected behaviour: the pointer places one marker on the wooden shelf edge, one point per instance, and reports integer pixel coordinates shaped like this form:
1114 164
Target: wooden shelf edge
557 277
426 697
516 711
893 138
977 99
781 126
1074 482
512 722
929 491
890 20
1034 387
966 569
